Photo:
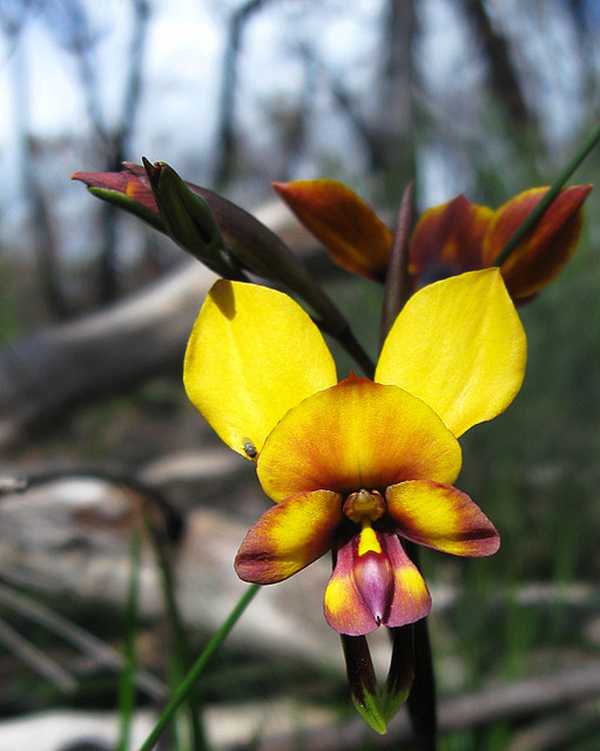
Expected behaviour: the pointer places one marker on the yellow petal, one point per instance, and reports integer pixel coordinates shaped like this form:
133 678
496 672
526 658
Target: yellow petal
252 355
441 517
288 537
356 435
458 345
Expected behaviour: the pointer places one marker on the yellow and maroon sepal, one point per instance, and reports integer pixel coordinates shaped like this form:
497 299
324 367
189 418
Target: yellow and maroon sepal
353 234
460 236
441 517
541 256
289 536
448 239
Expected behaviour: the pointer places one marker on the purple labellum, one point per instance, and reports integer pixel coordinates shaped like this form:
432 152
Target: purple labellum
375 581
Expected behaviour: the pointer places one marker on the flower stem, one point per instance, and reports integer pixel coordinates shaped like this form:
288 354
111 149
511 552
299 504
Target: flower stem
187 685
127 687
530 223
422 698
182 653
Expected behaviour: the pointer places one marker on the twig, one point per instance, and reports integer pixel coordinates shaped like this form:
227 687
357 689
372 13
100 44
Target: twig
78 637
35 658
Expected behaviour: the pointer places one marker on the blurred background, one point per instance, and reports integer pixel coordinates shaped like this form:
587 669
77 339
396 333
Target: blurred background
485 98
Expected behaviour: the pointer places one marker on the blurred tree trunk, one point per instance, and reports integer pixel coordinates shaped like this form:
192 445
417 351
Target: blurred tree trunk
502 74
110 350
395 109
387 134
227 146
39 222
113 143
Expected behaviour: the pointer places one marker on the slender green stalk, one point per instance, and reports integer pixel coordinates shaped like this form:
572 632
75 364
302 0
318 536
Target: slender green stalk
543 206
182 652
187 685
127 678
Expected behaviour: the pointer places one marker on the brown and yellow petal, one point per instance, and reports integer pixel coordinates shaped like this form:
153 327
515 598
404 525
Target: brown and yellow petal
288 537
540 257
358 434
350 230
441 517
448 239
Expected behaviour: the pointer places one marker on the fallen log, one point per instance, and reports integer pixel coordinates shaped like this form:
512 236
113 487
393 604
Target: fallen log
108 351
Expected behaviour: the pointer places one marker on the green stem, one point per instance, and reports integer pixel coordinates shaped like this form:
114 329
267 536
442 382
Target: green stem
127 678
543 206
187 685
182 656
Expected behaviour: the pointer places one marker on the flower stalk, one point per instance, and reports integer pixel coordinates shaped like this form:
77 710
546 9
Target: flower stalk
187 685
533 219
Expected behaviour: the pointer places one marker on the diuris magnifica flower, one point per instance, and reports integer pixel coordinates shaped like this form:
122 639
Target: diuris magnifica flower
448 239
359 465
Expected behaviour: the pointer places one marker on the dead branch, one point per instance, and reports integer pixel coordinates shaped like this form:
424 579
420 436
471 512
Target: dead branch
111 350
37 660
99 651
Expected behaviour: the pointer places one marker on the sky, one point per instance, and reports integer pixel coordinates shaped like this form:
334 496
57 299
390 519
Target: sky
182 75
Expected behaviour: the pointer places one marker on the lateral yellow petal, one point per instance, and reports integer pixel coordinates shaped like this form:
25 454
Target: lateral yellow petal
289 536
459 346
441 517
252 355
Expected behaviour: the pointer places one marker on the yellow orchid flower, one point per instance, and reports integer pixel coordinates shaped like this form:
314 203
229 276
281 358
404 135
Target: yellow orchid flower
358 465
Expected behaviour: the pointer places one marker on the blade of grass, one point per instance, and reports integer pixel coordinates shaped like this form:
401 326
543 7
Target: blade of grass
127 678
530 223
187 685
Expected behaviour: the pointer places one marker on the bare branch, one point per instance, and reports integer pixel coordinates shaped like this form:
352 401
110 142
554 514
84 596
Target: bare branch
35 658
95 648
108 351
